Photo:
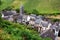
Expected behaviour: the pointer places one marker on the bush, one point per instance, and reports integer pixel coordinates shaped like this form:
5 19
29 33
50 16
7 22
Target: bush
35 12
17 10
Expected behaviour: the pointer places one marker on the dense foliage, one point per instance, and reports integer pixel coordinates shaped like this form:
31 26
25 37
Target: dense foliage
15 31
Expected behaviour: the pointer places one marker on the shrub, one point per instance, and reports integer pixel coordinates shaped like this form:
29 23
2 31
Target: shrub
17 10
35 12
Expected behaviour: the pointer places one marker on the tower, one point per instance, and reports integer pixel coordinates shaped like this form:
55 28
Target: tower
20 17
21 10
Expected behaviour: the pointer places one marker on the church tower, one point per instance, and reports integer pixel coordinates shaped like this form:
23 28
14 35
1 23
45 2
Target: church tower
21 10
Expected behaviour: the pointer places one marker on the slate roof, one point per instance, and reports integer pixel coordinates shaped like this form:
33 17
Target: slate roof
38 21
33 15
7 13
44 24
38 17
41 22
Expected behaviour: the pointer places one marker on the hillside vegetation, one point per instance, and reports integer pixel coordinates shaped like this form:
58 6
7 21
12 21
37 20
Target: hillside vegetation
5 3
15 31
42 6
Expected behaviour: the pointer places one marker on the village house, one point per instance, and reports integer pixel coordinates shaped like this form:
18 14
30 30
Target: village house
8 15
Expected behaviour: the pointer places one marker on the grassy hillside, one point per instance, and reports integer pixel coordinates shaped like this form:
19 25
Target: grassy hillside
15 31
42 6
5 3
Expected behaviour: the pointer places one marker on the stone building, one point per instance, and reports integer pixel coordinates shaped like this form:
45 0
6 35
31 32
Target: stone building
8 15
